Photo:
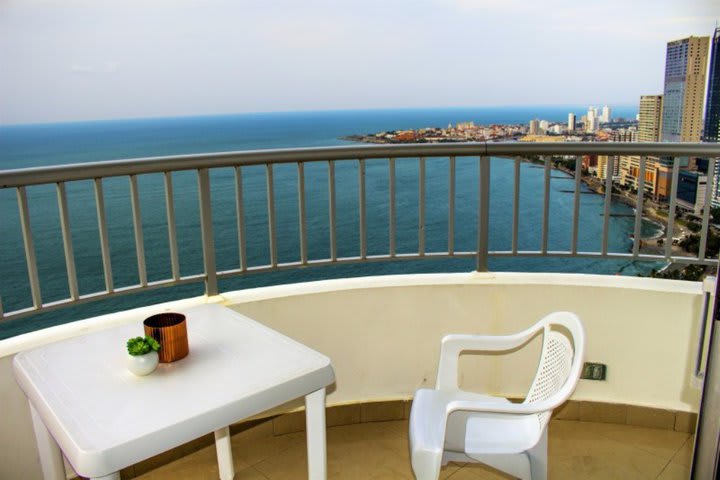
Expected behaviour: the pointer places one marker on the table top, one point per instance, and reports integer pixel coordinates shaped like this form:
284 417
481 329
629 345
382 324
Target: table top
105 418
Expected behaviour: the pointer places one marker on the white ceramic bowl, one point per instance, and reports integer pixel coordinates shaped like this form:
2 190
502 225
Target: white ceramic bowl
142 364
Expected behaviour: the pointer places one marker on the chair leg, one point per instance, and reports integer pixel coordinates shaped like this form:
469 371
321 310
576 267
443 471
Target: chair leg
426 465
538 458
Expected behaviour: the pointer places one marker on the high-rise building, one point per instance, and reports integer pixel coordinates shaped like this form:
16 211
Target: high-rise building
683 97
571 122
534 127
544 126
685 66
605 115
650 118
590 125
630 173
624 135
649 121
691 191
602 166
711 132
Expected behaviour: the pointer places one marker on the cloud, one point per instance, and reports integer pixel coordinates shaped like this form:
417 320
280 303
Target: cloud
105 67
81 69
508 6
110 67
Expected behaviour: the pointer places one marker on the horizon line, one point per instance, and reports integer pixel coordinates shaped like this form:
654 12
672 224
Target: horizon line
329 110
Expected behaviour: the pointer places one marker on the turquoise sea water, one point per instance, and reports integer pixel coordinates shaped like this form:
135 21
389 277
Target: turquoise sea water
53 144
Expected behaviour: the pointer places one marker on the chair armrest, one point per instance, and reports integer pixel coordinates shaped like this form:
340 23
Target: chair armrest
506 408
454 344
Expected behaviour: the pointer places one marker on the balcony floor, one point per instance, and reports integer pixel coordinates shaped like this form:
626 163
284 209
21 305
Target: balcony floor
578 450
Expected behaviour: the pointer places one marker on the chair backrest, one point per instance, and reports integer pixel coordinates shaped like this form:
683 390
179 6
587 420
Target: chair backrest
560 361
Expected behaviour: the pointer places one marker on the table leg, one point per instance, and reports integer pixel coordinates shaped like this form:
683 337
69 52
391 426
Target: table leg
224 454
315 427
51 459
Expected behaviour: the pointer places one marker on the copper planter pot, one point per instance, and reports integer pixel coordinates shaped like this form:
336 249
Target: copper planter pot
170 330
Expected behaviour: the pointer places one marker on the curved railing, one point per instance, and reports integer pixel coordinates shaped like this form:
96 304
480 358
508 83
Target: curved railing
417 154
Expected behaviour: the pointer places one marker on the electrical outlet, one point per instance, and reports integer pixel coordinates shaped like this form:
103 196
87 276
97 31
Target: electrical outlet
593 371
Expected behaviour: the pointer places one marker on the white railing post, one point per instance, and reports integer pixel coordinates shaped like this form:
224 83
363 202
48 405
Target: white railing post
206 226
483 214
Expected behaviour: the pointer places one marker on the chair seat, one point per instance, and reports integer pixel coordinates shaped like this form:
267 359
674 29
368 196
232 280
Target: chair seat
472 433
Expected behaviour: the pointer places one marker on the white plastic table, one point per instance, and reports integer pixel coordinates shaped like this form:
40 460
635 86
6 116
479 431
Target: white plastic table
103 418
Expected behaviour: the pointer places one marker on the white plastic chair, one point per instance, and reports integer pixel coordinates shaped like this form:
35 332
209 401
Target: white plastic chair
448 424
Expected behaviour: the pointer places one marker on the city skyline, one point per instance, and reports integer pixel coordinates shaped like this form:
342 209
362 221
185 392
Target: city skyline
79 60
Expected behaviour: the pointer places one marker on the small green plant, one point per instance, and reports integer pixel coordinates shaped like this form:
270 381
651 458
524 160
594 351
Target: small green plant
141 346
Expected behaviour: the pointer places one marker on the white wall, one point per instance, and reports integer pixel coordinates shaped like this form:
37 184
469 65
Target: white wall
383 334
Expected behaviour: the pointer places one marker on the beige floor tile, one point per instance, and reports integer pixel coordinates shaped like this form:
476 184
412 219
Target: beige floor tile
683 457
675 472
594 468
201 464
577 450
248 451
364 432
580 450
663 443
291 464
448 470
370 450
474 471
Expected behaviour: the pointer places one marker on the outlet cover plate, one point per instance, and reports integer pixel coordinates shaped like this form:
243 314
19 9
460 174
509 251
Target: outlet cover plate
593 371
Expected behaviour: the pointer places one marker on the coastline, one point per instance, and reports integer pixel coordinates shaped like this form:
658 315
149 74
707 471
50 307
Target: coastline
654 245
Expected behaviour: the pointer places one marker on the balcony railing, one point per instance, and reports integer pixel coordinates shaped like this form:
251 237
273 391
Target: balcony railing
329 159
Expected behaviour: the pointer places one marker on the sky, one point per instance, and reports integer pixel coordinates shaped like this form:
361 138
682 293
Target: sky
70 60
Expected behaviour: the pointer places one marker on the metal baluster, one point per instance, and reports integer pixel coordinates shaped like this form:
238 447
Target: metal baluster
451 207
421 207
206 225
671 212
102 230
637 235
239 207
516 206
67 241
608 202
301 208
363 219
271 213
706 208
137 225
483 214
172 229
331 209
392 207
546 206
576 206
29 247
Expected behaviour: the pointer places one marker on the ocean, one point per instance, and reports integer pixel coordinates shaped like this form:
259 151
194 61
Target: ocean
25 146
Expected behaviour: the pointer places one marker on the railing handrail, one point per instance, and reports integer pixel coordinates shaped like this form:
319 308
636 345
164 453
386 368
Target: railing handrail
139 166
